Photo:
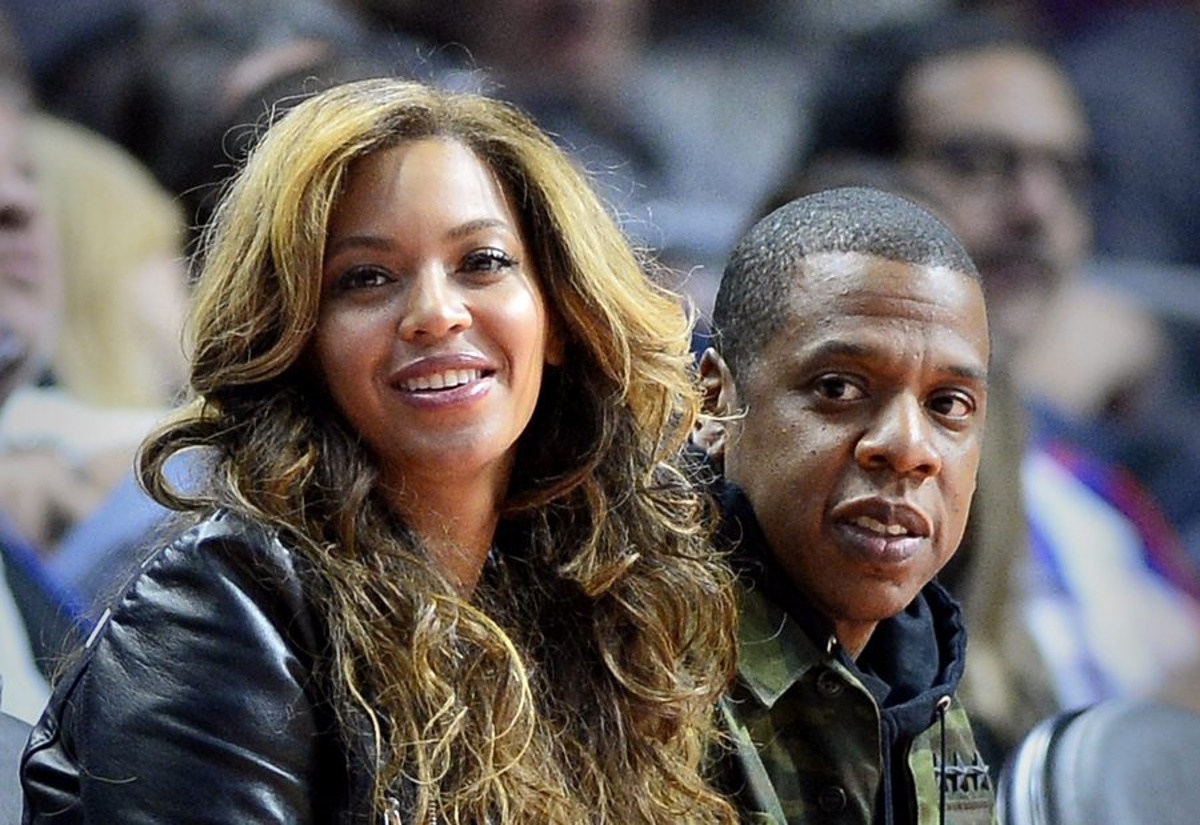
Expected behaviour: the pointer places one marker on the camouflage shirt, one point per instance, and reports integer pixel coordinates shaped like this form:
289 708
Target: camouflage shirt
820 738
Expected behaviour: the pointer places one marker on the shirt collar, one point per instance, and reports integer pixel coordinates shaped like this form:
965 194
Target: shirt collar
774 651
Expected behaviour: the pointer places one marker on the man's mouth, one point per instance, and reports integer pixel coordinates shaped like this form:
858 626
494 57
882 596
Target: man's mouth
876 526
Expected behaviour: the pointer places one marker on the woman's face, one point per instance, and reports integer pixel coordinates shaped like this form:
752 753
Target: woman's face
30 266
432 332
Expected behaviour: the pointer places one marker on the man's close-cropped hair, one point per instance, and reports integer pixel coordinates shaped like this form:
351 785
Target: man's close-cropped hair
765 264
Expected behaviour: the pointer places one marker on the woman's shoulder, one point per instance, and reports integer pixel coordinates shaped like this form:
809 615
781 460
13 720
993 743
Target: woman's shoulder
224 528
230 543
226 568
209 664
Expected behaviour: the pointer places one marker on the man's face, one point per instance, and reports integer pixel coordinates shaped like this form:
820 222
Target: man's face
863 418
999 140
30 276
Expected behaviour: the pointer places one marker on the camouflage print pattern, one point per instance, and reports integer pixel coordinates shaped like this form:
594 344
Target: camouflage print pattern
806 739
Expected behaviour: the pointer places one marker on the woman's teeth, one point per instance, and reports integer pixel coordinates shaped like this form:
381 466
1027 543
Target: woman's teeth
442 380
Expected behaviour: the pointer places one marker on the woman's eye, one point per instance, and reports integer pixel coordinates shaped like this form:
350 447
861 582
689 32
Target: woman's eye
488 259
363 277
952 405
838 388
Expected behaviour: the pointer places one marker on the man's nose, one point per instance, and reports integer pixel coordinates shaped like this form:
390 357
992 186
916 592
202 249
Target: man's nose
900 438
1039 187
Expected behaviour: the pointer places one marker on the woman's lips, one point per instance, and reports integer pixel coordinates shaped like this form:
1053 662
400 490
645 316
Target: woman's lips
442 381
439 381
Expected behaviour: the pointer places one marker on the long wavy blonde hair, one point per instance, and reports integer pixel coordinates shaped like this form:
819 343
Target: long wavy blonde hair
577 684
122 238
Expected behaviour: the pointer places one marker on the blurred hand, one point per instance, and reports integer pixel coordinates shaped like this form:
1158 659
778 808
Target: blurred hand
1095 348
43 493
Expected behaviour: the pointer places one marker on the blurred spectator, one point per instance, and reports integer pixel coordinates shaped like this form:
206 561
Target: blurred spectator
1137 66
118 362
35 619
122 238
13 735
987 129
654 106
184 86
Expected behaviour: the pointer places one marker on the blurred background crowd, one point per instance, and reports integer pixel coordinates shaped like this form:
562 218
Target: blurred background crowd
1059 138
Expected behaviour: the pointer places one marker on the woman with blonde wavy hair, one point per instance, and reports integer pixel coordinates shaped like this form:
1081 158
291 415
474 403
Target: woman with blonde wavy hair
445 566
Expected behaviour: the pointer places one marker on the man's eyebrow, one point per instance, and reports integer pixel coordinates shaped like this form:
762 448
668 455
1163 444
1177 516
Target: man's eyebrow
852 350
844 349
975 374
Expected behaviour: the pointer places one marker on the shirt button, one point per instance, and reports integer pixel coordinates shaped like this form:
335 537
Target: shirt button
831 799
829 683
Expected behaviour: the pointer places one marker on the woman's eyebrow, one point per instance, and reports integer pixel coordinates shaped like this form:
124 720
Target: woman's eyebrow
477 225
381 243
361 240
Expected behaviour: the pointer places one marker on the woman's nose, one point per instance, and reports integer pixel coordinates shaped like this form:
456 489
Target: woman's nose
435 308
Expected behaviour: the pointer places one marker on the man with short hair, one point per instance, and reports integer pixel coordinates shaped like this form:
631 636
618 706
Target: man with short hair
989 127
1088 596
848 389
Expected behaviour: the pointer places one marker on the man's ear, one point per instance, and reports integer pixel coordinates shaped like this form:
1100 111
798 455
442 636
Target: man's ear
719 405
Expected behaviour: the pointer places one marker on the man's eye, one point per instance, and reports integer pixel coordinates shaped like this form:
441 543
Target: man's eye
488 259
952 405
363 277
838 388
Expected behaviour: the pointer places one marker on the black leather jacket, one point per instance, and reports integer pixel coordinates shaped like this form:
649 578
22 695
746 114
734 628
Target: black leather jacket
200 698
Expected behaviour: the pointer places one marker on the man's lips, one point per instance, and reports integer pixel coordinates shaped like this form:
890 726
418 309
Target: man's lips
878 530
895 517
